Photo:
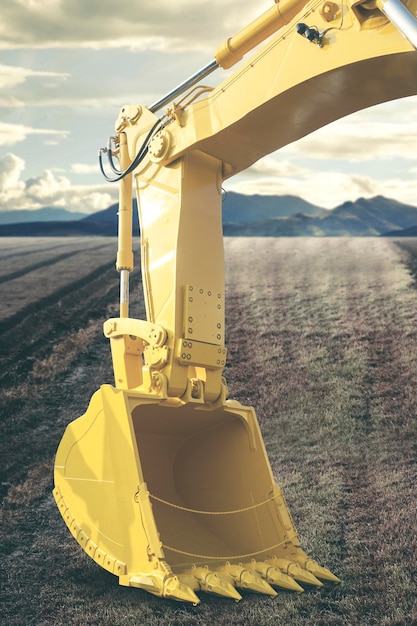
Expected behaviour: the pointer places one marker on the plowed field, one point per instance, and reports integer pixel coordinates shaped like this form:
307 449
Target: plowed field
322 341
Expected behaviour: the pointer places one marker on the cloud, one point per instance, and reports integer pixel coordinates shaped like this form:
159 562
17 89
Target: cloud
364 185
12 75
11 187
326 188
11 166
48 189
11 134
10 102
84 168
273 167
144 25
383 132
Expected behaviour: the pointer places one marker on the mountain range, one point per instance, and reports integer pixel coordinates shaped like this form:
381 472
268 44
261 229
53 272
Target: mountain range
366 217
256 215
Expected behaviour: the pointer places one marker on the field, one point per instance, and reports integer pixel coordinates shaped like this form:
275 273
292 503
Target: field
322 341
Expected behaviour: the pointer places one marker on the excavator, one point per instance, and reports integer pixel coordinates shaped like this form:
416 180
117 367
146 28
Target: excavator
165 481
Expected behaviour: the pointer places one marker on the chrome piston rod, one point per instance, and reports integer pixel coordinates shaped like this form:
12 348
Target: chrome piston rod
401 17
234 48
124 293
190 82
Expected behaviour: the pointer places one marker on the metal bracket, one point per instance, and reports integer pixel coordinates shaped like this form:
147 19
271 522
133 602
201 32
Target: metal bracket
151 334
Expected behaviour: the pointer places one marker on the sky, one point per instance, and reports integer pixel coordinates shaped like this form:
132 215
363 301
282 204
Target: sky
67 67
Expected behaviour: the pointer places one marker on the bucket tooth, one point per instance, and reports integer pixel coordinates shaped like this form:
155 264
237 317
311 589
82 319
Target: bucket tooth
274 576
249 580
305 577
165 587
295 571
310 565
321 572
214 582
177 590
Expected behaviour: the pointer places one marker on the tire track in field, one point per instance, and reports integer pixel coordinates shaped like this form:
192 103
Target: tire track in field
49 379
39 323
378 315
34 406
22 251
44 263
380 476
327 359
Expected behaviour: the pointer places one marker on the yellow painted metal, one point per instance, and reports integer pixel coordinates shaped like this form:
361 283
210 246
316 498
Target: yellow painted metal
124 261
152 486
233 49
124 253
165 481
290 87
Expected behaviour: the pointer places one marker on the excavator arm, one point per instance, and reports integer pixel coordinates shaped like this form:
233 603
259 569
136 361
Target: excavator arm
324 61
327 61
165 481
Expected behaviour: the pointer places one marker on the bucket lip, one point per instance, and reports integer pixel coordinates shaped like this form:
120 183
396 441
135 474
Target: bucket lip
190 418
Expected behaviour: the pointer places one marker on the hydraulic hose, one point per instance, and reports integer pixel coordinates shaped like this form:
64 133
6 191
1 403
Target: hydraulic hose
136 161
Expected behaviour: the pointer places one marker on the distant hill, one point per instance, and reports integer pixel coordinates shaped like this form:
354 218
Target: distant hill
108 218
374 215
78 228
406 232
267 216
238 208
363 218
47 214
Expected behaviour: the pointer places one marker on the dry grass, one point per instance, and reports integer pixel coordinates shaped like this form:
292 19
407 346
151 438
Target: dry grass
322 340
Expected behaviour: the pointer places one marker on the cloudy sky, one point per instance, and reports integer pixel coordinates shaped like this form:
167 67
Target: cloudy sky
67 66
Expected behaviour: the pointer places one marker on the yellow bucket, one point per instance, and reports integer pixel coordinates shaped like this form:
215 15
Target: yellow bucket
167 494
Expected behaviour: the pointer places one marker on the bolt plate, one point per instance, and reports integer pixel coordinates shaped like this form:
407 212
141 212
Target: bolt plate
204 315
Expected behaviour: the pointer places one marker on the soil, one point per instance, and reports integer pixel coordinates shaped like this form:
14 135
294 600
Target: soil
321 338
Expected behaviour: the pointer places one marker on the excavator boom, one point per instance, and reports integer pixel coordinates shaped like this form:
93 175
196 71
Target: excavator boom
165 481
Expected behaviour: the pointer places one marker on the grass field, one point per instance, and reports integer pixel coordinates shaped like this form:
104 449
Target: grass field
322 341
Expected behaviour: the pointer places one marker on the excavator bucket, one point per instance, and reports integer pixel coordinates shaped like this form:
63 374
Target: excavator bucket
176 497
